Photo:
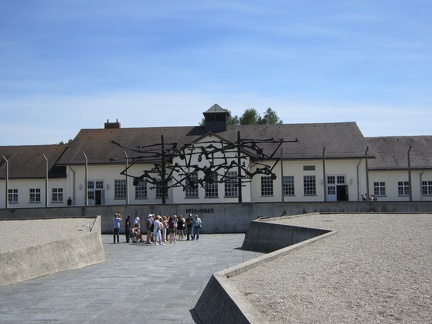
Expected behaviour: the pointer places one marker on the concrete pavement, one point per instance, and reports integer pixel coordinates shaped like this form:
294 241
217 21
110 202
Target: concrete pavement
138 283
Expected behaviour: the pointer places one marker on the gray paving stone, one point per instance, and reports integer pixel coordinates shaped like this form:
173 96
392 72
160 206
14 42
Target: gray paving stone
138 283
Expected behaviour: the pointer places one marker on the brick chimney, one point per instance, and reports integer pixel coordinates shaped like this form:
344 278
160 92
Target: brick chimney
109 125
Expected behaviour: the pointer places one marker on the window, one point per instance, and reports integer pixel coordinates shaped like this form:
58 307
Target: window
95 193
120 189
57 194
95 184
288 185
231 185
331 190
426 188
35 195
192 185
403 188
141 190
211 187
379 188
266 186
13 196
340 179
309 184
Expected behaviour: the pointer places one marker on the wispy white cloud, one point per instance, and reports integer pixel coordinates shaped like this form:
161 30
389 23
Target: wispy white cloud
50 120
164 63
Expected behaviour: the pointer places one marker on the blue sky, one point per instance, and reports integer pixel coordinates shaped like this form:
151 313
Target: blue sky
72 64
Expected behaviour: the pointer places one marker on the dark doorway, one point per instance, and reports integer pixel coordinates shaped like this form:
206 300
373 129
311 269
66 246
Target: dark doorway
342 193
98 197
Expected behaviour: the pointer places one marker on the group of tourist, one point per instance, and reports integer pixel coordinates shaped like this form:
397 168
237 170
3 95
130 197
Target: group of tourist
366 197
158 229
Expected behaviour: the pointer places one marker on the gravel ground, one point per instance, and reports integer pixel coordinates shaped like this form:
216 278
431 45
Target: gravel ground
18 234
377 268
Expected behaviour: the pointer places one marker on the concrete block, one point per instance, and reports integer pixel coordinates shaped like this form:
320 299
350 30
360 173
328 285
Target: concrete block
221 302
62 255
268 236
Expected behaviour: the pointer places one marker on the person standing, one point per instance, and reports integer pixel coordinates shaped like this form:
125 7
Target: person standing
189 225
116 225
180 227
128 228
171 229
149 223
197 224
164 228
157 231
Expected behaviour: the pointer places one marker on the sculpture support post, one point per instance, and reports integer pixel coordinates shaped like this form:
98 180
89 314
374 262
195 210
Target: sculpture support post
239 169
409 174
163 173
367 174
46 180
6 183
85 180
126 178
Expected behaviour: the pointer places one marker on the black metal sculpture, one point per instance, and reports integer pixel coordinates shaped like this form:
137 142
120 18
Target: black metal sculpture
216 158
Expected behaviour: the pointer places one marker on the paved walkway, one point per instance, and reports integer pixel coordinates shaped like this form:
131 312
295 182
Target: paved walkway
138 283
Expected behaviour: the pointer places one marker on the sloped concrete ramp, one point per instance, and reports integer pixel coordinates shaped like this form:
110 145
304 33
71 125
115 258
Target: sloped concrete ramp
370 268
221 301
35 248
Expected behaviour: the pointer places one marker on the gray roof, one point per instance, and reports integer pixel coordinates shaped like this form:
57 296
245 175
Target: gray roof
215 109
341 140
391 153
27 161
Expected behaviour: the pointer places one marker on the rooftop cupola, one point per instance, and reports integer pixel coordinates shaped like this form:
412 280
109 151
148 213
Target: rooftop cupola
110 125
216 119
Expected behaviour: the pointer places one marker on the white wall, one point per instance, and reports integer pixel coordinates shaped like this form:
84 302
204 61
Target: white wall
24 186
108 174
391 179
353 170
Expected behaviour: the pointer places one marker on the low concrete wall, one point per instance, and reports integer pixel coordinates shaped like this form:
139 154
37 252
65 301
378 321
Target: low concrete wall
266 236
217 218
221 302
39 260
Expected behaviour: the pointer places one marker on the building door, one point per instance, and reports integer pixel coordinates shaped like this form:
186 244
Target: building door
342 192
98 197
337 190
96 193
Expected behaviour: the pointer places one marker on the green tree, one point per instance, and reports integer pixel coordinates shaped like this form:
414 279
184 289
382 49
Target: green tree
233 120
270 117
250 117
68 142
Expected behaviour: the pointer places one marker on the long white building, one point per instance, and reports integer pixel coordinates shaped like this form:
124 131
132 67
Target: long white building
217 163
